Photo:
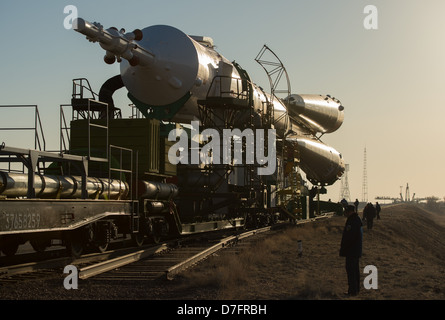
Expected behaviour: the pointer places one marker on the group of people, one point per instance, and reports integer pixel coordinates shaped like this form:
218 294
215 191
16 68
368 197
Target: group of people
352 239
370 212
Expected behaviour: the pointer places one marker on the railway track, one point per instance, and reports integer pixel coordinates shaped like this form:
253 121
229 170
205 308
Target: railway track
170 261
146 263
40 268
164 261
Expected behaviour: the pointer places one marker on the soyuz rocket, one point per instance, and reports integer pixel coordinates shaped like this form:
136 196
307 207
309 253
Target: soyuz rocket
167 72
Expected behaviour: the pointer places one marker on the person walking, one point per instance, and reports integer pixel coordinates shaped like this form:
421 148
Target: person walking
365 212
377 210
351 249
370 215
356 203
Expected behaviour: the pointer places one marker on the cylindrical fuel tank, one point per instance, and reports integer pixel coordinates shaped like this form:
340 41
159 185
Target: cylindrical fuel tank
114 189
320 113
94 187
155 207
101 188
157 190
15 185
321 163
181 65
167 72
173 71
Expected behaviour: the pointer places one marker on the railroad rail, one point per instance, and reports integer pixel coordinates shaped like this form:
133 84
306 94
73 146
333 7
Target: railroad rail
185 258
174 270
96 265
57 263
117 262
184 261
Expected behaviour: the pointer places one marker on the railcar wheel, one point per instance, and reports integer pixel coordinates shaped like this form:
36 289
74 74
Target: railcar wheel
102 247
40 245
76 242
10 248
75 248
156 232
102 237
156 237
138 239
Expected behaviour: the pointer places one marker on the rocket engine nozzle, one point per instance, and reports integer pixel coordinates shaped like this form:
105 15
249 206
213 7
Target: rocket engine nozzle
117 44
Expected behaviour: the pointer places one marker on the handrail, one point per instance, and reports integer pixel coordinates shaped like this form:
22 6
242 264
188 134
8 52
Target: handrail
38 128
239 94
64 131
79 83
120 169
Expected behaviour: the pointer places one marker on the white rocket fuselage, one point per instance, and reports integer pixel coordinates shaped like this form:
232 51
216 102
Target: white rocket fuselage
166 72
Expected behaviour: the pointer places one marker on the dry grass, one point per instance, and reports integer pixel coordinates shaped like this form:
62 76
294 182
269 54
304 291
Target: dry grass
268 262
407 246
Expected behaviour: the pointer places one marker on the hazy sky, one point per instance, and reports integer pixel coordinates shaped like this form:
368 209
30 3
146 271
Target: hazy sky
390 80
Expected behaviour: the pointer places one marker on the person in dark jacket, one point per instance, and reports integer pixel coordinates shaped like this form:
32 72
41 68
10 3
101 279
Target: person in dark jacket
351 248
377 210
369 213
344 203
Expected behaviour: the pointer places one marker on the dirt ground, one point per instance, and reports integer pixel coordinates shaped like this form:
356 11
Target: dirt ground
407 248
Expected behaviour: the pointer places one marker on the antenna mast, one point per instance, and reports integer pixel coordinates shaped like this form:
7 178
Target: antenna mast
344 193
365 181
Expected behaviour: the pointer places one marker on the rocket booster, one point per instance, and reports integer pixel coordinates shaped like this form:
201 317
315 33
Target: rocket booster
167 72
321 163
323 114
